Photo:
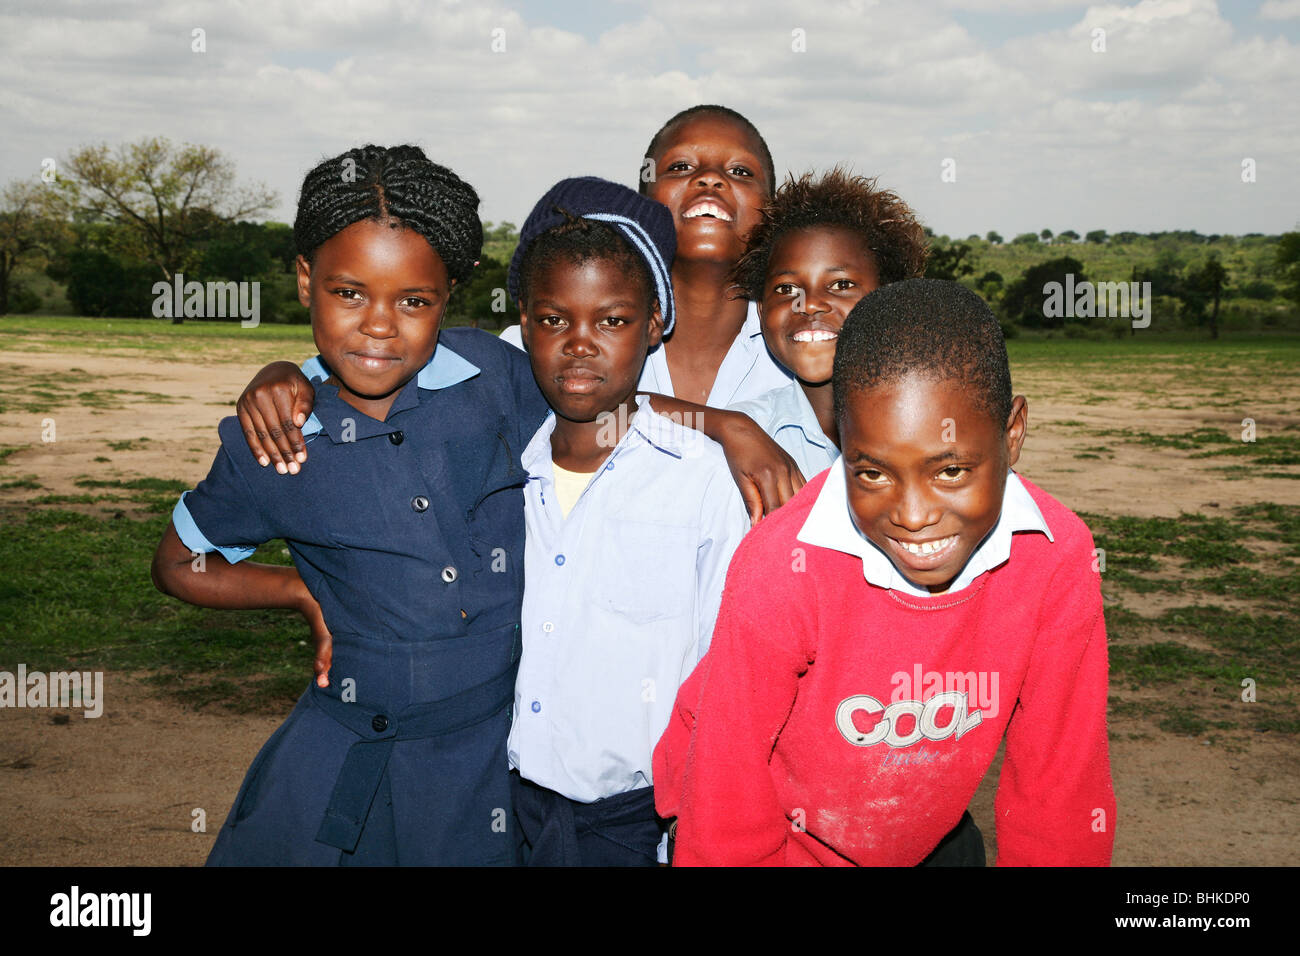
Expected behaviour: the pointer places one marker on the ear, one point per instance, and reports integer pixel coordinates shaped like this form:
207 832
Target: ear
304 281
525 327
1017 425
656 326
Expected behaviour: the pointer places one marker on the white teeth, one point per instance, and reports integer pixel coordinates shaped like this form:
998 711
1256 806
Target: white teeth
927 547
707 209
814 335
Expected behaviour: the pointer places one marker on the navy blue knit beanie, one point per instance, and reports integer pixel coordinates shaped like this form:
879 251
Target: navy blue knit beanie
645 224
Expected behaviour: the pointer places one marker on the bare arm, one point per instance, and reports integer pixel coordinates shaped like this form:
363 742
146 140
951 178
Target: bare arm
217 583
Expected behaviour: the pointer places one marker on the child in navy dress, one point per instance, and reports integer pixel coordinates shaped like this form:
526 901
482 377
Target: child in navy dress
407 531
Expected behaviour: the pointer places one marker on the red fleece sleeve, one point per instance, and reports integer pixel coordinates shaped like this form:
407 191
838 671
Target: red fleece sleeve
726 804
1055 804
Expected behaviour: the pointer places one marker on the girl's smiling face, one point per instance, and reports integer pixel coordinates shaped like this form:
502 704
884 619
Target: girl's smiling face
815 276
377 292
926 468
710 173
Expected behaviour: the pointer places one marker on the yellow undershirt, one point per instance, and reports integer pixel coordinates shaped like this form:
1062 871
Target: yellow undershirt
569 486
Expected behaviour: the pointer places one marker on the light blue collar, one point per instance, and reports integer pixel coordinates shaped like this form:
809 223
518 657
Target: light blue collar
445 369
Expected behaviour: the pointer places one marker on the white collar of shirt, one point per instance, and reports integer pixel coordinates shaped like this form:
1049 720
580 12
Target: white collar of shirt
791 409
445 369
830 525
736 364
646 426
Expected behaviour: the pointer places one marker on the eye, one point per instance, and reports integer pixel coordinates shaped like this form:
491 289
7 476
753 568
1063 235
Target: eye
953 473
872 476
615 320
677 166
347 293
550 320
784 288
741 171
415 302
843 285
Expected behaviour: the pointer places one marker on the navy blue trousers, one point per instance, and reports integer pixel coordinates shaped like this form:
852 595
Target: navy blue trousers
622 830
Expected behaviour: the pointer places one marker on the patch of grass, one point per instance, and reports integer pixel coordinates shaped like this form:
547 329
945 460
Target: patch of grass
75 592
101 458
26 483
129 444
169 485
1201 541
7 450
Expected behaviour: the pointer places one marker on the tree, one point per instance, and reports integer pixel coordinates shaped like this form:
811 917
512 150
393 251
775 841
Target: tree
32 221
1287 263
1210 280
168 199
994 238
1025 239
949 262
1068 236
1097 236
1046 235
1025 300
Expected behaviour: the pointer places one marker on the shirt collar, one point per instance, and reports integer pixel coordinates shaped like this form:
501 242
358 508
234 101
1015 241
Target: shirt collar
444 369
830 525
645 426
791 409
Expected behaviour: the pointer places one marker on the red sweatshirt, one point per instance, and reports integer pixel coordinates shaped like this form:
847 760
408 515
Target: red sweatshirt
835 722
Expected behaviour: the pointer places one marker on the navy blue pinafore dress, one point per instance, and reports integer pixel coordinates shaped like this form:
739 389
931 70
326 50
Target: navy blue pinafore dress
410 534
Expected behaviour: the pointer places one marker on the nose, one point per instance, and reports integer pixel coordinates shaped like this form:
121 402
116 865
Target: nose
379 322
579 341
914 510
814 303
708 175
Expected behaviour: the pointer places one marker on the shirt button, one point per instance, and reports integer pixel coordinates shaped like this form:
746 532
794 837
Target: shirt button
610 466
449 574
396 437
380 723
537 707
420 504
559 559
548 627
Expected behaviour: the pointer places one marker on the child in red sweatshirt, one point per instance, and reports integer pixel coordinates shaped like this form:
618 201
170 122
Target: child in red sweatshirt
881 632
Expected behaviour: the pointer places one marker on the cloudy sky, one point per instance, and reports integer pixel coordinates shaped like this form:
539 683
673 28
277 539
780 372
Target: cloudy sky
1043 130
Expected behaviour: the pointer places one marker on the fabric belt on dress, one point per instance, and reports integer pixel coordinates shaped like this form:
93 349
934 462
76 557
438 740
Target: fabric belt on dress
363 768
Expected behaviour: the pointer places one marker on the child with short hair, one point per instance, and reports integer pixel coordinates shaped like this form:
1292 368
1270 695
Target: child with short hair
881 632
406 527
632 520
823 243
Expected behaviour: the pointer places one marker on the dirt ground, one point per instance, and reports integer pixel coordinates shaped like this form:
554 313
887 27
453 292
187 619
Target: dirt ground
123 789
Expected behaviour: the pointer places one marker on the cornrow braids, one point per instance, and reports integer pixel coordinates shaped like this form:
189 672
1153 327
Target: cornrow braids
886 225
937 329
578 240
397 183
656 141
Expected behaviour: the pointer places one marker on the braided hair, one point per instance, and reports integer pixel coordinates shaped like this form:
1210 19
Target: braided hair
710 109
885 224
578 240
391 183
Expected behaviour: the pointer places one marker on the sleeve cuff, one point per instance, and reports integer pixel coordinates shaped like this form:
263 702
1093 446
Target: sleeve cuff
196 540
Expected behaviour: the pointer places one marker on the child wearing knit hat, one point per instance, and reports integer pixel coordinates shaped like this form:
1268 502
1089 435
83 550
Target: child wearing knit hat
631 521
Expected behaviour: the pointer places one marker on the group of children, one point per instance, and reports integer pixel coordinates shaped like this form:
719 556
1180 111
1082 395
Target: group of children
555 638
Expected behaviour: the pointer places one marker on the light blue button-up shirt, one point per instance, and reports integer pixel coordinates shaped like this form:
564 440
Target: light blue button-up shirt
830 525
620 601
786 414
747 370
